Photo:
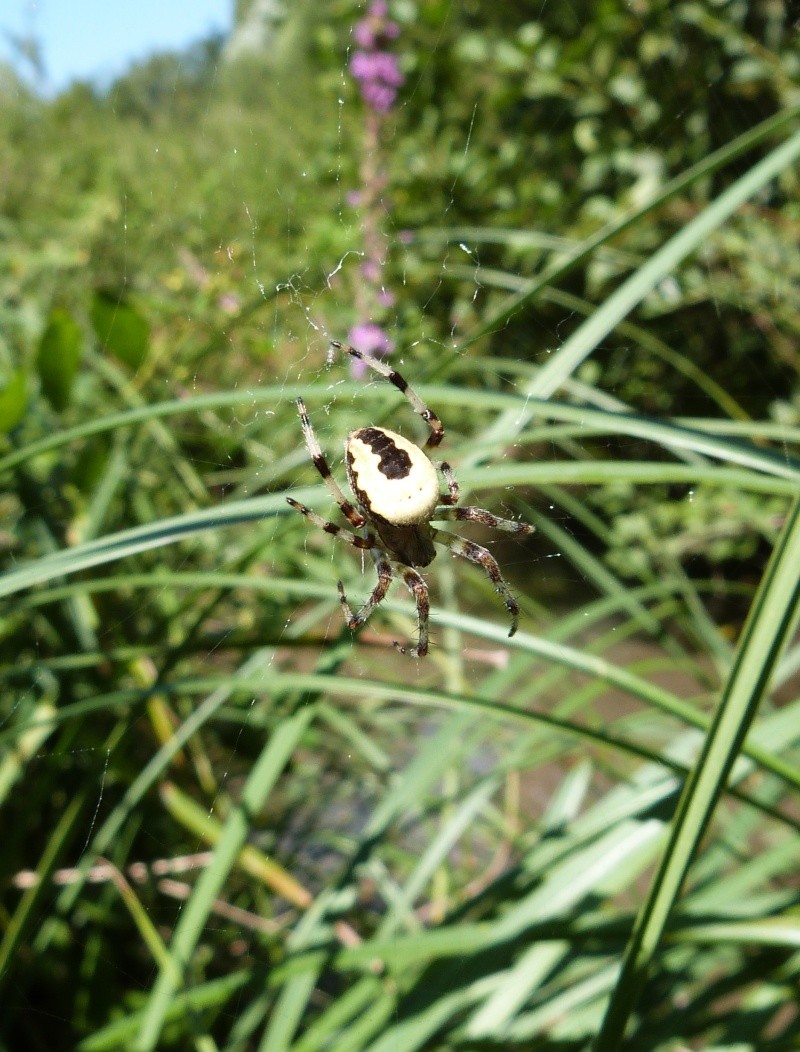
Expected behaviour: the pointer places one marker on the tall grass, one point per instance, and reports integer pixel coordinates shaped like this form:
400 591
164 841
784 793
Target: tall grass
230 824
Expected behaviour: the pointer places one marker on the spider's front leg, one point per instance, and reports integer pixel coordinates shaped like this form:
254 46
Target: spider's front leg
474 553
453 490
472 514
364 543
431 419
353 516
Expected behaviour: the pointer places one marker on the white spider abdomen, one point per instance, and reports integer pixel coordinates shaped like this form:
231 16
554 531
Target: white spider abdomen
390 477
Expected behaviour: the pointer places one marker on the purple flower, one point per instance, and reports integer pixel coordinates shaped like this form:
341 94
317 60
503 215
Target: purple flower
372 341
379 75
387 69
376 69
361 65
371 271
378 66
378 98
364 34
370 338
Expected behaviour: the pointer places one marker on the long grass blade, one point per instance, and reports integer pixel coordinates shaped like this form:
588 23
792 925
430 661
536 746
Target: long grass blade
584 340
772 616
189 929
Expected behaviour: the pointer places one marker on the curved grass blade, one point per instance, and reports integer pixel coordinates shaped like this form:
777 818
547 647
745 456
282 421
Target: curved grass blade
587 336
695 435
170 530
560 268
771 619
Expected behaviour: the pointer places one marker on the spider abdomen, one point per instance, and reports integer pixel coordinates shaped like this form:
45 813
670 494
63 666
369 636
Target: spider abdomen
391 478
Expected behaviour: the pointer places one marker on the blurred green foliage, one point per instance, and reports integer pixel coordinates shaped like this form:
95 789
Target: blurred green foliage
59 355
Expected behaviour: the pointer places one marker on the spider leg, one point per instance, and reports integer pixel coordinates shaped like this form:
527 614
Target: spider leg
364 543
474 553
378 594
416 585
354 517
451 497
471 514
428 415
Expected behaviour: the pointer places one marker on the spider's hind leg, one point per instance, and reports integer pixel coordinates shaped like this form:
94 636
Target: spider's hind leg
474 553
385 575
416 585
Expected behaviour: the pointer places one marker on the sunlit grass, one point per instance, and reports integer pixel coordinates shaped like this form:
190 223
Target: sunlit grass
502 844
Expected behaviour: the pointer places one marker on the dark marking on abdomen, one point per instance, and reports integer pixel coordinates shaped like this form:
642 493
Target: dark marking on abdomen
394 463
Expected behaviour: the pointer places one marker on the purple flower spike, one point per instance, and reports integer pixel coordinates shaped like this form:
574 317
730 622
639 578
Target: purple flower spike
364 35
379 77
376 69
371 271
378 97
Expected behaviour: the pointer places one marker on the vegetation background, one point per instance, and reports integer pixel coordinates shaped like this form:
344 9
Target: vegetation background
227 824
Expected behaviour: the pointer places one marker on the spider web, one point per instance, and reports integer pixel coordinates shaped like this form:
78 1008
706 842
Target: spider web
306 307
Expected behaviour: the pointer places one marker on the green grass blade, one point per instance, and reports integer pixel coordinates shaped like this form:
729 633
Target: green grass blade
24 916
649 343
771 617
189 929
213 995
170 530
522 407
583 341
704 168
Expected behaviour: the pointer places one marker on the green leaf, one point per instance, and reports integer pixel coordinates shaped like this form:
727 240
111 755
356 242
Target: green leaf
120 328
13 401
59 355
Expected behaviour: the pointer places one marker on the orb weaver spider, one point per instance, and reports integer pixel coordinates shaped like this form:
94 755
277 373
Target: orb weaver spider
397 496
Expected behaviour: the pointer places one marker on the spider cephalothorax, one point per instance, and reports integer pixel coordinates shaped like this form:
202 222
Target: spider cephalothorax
397 495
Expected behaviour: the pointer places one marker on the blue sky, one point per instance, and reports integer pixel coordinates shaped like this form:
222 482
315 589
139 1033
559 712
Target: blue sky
97 39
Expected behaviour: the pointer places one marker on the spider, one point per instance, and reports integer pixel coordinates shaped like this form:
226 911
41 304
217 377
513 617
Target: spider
396 490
